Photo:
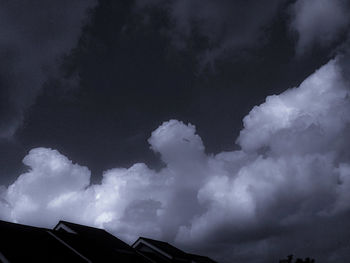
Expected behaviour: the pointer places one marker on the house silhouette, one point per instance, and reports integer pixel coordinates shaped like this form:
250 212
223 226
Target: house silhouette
70 242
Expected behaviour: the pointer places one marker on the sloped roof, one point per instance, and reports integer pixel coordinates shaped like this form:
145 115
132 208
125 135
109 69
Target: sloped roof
176 255
98 245
97 235
70 242
167 248
21 243
200 259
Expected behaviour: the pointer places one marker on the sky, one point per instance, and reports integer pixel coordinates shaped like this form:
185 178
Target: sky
219 126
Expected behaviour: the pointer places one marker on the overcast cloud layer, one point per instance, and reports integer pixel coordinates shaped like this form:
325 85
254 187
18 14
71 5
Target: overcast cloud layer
289 180
34 34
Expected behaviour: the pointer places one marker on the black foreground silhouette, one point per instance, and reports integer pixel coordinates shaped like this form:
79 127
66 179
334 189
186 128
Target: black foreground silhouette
69 242
298 260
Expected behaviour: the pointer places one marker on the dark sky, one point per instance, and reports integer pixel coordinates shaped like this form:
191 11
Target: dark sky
131 78
94 79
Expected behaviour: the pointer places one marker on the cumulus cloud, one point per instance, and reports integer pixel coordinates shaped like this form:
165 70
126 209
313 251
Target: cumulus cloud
319 22
34 34
285 191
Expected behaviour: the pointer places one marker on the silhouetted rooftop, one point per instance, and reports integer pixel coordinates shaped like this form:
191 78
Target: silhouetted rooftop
168 252
70 242
21 243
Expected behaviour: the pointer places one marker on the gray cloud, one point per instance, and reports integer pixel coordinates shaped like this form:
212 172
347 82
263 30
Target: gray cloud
33 35
227 25
319 22
285 191
240 25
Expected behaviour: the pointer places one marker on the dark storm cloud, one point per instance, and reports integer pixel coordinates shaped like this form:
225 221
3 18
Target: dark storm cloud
226 25
33 34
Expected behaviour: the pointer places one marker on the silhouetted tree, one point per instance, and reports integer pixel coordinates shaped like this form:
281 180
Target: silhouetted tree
298 260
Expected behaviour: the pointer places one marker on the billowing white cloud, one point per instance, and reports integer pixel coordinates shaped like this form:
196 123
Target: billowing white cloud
177 143
290 179
307 119
319 22
51 177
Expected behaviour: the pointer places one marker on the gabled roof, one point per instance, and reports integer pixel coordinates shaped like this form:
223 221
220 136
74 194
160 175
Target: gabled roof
22 243
167 252
70 242
96 235
97 244
200 259
171 251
